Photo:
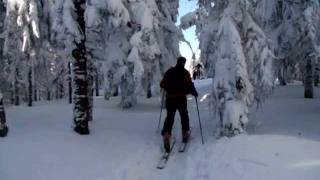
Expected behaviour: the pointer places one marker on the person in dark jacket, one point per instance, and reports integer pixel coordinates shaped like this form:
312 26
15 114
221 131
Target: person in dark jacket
177 84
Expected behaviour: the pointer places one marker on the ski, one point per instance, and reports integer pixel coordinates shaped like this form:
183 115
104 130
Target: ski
165 157
182 147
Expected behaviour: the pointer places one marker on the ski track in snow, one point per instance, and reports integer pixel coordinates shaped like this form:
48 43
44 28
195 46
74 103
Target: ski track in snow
282 142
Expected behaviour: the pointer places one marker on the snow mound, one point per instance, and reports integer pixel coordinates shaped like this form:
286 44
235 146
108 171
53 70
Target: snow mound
263 157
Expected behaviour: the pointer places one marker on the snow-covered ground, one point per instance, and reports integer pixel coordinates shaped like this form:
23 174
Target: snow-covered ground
283 143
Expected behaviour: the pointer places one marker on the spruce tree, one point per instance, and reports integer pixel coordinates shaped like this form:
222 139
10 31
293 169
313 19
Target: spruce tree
236 49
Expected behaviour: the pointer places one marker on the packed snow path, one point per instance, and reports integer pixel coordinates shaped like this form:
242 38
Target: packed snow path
283 143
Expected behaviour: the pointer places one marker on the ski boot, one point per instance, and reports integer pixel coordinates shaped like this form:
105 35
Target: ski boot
185 136
166 142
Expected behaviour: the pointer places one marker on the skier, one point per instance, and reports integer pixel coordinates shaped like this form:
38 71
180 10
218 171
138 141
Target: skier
177 83
197 71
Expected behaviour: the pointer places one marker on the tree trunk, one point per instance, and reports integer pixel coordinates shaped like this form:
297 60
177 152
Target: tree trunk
90 67
316 80
149 92
127 88
61 90
115 91
282 75
316 75
16 89
30 89
12 94
70 82
35 94
97 84
48 95
57 91
3 128
308 83
80 76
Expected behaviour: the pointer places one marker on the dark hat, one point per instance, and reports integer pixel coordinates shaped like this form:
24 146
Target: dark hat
181 61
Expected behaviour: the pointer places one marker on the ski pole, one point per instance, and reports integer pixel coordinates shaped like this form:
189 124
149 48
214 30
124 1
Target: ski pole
199 120
162 99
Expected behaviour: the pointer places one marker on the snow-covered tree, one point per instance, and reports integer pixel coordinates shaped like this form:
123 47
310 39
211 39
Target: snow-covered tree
141 43
2 62
12 51
3 126
238 51
74 20
154 43
50 65
28 19
61 42
310 43
22 32
108 39
238 42
293 28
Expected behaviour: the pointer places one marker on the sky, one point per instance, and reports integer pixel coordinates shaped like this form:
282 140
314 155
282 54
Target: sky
186 6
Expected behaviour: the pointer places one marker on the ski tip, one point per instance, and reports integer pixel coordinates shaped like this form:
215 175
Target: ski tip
182 148
160 168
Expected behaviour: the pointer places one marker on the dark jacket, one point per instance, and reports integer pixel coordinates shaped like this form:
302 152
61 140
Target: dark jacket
177 83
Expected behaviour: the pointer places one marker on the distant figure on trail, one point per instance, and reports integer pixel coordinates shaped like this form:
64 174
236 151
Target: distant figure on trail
197 71
177 84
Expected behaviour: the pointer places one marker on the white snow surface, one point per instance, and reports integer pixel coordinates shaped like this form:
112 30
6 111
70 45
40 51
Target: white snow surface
282 143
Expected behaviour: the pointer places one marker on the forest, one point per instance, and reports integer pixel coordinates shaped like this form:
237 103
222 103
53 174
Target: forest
76 51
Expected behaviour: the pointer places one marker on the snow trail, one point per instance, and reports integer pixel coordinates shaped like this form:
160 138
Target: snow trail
283 142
